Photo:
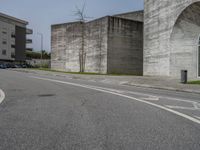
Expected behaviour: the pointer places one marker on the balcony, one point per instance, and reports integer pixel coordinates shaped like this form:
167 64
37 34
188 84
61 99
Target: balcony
29 31
29 49
13 46
13 35
29 41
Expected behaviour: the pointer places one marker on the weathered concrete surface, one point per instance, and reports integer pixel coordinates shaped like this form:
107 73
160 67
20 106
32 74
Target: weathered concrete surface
136 15
108 45
96 45
164 54
65 44
73 46
39 62
184 42
58 57
67 40
125 46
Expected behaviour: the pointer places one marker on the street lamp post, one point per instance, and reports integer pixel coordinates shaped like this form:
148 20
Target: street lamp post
41 35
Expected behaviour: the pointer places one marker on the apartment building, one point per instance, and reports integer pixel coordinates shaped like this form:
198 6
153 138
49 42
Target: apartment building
13 38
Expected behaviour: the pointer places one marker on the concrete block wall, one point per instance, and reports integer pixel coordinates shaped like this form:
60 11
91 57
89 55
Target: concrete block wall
125 46
136 15
58 54
111 45
65 46
67 42
160 18
96 40
73 46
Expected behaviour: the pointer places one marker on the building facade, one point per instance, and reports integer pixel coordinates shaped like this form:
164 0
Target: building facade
13 39
171 38
112 44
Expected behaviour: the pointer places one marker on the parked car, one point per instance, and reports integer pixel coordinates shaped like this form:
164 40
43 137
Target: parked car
17 66
23 66
12 66
2 66
7 65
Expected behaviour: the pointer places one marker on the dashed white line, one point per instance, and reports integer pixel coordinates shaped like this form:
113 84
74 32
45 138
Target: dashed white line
2 96
180 107
193 119
152 98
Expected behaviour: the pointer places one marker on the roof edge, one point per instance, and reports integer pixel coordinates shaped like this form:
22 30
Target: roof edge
13 18
67 23
129 12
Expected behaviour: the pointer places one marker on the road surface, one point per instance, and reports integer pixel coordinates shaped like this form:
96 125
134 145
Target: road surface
40 112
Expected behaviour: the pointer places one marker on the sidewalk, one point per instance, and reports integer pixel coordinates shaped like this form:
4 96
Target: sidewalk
138 81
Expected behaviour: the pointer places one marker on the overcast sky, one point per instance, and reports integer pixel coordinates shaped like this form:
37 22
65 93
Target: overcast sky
42 13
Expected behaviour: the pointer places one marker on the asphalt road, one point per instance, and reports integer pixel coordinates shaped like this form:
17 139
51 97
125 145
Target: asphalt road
57 113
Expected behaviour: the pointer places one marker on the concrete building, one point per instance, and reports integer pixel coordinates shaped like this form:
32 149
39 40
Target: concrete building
112 44
171 37
13 40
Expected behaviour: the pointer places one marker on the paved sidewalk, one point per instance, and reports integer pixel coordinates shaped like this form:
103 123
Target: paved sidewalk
139 81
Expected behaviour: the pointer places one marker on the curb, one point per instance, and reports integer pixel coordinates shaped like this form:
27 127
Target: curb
126 83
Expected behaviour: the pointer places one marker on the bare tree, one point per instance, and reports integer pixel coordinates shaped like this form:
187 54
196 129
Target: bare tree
80 13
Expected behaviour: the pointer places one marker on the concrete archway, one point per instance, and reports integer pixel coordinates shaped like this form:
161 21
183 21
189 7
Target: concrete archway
184 42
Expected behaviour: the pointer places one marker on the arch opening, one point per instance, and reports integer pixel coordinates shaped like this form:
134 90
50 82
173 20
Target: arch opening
185 43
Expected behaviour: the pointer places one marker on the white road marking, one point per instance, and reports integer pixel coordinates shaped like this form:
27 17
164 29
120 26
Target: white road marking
2 96
152 98
181 100
197 105
197 117
180 107
125 96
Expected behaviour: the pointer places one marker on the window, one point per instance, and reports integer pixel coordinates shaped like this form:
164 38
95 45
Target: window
3 52
13 55
13 35
4 42
4 32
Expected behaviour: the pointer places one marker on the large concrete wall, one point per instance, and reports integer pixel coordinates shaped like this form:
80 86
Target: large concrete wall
65 46
111 45
159 20
136 15
58 55
96 39
67 40
125 46
73 47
